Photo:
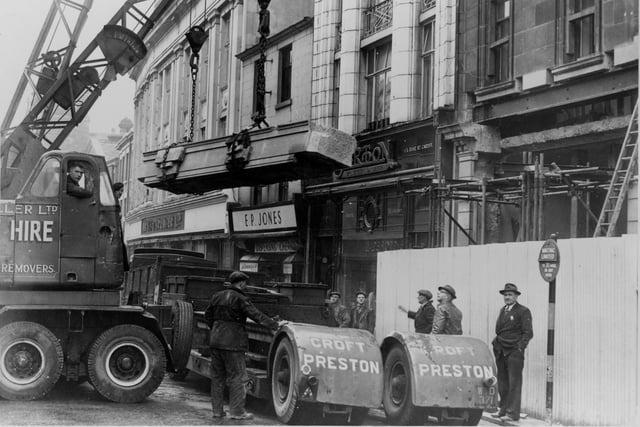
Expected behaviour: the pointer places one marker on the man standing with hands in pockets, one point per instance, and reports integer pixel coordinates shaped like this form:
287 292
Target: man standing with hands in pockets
514 330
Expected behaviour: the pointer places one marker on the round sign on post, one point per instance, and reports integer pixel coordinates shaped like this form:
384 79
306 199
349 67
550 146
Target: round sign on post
549 260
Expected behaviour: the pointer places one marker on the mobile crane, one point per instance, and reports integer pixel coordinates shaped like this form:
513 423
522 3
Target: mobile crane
61 254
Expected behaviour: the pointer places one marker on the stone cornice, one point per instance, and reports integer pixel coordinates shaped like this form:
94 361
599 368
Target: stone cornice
298 27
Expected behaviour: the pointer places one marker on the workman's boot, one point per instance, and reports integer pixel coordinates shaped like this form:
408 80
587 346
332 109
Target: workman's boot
243 416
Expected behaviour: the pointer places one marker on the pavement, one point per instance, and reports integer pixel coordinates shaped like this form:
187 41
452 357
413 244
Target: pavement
525 420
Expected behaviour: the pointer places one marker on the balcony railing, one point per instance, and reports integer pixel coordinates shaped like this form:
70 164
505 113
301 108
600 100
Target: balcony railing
377 18
428 4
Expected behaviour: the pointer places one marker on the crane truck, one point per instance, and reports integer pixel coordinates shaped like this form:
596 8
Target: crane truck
61 253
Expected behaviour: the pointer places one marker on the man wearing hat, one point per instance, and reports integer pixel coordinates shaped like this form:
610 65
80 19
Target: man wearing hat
448 318
226 315
423 318
340 313
514 330
361 315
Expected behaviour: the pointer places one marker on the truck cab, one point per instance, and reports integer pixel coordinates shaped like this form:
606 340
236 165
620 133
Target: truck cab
63 229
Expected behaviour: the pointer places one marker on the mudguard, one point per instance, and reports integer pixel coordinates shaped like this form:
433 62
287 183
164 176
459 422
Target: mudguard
450 371
338 366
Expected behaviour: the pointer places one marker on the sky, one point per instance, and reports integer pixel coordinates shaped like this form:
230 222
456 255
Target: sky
20 23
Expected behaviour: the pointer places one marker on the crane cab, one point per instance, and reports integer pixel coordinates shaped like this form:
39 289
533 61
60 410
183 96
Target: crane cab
63 229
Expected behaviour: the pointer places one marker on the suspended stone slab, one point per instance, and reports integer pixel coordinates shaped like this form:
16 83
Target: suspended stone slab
284 153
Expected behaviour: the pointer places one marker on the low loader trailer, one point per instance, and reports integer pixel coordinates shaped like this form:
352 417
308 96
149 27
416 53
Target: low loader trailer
310 369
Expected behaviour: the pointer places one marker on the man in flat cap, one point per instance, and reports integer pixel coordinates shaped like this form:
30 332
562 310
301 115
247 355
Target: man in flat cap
340 313
423 318
448 318
226 315
514 330
362 317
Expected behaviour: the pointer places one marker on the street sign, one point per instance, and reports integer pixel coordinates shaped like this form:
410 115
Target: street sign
549 260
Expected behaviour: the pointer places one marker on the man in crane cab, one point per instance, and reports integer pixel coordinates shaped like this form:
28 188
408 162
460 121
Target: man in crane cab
76 186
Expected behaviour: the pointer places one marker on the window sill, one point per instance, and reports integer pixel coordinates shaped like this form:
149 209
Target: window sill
581 67
283 104
497 90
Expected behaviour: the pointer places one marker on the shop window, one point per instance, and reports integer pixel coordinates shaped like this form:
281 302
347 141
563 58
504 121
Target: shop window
428 49
500 45
284 73
283 191
582 30
378 72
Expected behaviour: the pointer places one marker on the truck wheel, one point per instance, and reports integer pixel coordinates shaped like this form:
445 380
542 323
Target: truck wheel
357 416
31 361
126 363
284 393
182 325
475 415
396 396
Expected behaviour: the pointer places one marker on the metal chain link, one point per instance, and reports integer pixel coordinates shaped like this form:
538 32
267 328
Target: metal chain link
194 78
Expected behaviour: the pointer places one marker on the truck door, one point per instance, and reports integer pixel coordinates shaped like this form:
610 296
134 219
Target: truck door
34 228
79 220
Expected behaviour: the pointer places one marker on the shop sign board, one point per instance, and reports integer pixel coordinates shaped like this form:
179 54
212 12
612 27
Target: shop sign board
549 260
272 218
160 223
251 267
276 246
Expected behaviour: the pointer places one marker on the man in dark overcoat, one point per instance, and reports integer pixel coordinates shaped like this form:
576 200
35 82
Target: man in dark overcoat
423 318
340 314
514 330
226 315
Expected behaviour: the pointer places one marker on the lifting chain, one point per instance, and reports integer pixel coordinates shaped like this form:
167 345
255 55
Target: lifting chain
195 57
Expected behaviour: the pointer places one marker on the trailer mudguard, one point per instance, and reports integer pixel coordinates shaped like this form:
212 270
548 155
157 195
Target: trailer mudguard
338 366
449 371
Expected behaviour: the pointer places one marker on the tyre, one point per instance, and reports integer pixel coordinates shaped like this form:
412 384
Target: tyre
284 392
357 416
182 325
31 361
475 415
396 396
126 363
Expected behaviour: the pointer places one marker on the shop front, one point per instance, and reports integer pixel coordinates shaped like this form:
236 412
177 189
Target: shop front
376 205
268 241
188 225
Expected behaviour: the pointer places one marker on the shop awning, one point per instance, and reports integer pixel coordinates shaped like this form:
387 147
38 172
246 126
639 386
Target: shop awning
251 258
293 259
207 235
363 184
265 234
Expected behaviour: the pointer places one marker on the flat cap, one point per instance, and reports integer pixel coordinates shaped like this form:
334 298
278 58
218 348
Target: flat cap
448 289
361 293
426 293
332 293
237 276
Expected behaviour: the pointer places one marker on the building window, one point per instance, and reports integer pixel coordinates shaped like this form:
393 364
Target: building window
256 195
284 83
428 48
378 60
500 47
582 37
283 191
335 114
